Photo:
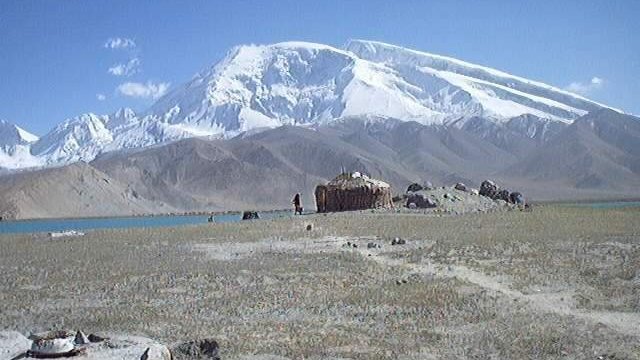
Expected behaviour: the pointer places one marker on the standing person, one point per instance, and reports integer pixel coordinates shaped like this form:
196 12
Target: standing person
297 205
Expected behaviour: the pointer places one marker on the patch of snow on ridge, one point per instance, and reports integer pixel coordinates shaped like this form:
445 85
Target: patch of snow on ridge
387 53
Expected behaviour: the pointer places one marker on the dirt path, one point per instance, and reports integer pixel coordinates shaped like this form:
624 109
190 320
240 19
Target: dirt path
559 303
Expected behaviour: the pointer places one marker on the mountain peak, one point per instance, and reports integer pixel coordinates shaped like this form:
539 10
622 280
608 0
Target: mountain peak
11 134
255 87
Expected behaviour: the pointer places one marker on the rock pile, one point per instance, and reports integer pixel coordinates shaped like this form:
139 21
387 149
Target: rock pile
489 189
419 201
62 344
456 199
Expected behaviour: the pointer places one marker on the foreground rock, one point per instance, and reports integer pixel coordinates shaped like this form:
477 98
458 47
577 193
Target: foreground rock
113 347
12 344
197 349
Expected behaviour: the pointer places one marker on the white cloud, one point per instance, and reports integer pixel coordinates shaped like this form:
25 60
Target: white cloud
585 88
119 43
140 90
128 69
101 97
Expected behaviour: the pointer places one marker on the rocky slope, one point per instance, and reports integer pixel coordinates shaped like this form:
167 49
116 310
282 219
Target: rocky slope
76 190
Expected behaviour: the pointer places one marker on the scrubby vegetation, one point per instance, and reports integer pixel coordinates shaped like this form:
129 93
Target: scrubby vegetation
550 284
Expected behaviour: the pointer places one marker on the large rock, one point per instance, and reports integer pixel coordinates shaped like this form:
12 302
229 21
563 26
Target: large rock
414 187
461 187
126 347
517 198
489 189
504 194
13 344
114 347
250 215
420 201
197 349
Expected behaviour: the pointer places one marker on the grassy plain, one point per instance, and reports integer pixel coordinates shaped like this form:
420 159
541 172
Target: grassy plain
560 282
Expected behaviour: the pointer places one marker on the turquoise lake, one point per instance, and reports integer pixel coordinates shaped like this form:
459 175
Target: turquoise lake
56 225
610 204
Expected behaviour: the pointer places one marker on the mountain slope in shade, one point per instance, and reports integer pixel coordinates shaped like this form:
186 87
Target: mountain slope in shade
76 190
263 170
598 151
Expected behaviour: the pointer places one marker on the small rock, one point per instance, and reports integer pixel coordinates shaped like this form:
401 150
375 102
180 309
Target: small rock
145 355
309 227
197 349
250 215
355 245
371 245
95 338
461 187
414 187
81 338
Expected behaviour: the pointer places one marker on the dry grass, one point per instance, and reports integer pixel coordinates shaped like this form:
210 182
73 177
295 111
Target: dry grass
340 303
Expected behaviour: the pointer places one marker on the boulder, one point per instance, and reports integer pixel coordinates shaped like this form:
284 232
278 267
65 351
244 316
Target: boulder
95 338
461 187
415 187
427 185
196 349
250 215
61 343
489 189
420 201
517 198
13 344
504 194
81 338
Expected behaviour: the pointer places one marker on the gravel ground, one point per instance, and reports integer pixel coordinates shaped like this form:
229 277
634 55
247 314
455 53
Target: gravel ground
556 283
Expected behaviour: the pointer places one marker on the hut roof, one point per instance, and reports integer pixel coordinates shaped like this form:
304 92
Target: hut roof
356 179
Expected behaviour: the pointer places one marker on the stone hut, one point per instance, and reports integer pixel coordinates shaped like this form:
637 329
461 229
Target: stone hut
353 191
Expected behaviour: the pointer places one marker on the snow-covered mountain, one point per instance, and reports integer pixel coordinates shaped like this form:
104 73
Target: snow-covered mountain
15 144
266 86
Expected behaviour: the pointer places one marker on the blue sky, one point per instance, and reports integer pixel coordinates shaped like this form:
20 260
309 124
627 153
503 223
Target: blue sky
56 60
